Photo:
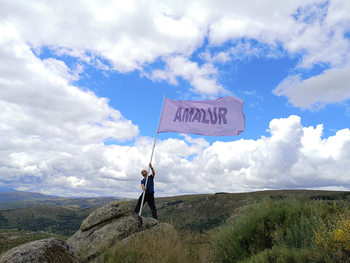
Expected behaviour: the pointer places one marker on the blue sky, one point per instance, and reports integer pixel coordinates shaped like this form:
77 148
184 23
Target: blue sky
82 85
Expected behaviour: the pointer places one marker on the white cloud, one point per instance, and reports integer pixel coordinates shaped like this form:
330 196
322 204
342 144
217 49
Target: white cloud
49 128
315 28
52 132
130 35
292 156
203 79
37 99
271 162
329 87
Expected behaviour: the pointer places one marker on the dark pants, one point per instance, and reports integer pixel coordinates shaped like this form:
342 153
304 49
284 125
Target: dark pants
151 203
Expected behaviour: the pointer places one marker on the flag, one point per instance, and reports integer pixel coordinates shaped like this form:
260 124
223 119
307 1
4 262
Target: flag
220 117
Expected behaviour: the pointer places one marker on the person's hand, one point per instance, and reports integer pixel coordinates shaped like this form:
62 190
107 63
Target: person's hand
150 165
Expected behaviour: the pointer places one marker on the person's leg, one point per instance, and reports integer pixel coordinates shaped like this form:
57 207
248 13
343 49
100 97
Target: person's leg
152 205
138 205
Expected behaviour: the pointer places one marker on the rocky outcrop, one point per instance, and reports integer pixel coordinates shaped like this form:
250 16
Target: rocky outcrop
98 232
50 250
108 212
106 226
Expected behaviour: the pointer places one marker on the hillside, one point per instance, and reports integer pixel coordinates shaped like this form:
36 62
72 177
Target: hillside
16 200
203 212
6 197
195 212
60 220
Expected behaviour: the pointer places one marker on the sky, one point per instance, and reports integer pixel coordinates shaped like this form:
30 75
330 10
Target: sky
82 85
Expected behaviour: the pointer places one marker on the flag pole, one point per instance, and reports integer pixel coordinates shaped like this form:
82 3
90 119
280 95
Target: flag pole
154 143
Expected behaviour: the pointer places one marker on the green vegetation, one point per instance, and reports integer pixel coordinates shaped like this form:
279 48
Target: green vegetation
11 238
161 247
59 220
273 230
196 213
267 226
200 213
289 230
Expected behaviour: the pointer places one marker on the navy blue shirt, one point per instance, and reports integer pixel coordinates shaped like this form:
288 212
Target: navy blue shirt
150 184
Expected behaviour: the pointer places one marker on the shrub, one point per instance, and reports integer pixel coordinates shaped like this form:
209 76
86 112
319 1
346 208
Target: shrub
276 225
281 254
332 234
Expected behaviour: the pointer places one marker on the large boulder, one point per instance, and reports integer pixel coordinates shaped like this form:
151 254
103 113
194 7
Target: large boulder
111 211
105 226
98 232
50 250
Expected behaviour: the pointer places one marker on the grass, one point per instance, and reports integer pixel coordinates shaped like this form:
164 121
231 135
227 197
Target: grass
167 247
289 230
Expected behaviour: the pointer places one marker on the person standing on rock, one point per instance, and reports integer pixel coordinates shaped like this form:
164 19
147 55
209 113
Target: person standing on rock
149 195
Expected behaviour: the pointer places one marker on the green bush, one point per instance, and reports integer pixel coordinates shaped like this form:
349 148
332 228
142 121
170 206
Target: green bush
281 255
272 225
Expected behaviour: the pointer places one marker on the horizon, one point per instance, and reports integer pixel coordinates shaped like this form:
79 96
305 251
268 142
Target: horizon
82 86
86 197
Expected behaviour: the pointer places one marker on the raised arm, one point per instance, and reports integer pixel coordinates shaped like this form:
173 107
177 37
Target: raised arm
153 172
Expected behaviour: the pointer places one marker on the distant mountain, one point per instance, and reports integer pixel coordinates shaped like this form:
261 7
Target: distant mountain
4 189
19 199
20 196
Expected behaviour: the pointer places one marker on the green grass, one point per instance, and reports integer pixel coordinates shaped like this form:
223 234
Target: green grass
163 247
273 230
282 231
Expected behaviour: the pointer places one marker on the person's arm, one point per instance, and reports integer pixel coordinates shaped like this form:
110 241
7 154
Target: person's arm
153 172
143 187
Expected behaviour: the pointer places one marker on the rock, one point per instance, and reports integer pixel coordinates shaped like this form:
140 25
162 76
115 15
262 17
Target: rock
147 223
92 242
106 213
98 232
50 250
105 226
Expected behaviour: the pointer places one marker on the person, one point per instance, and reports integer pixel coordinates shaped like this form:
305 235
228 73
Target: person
149 195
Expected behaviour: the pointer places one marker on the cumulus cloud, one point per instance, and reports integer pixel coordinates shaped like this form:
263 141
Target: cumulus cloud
278 161
38 99
315 28
52 131
47 125
130 36
292 156
203 79
329 87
